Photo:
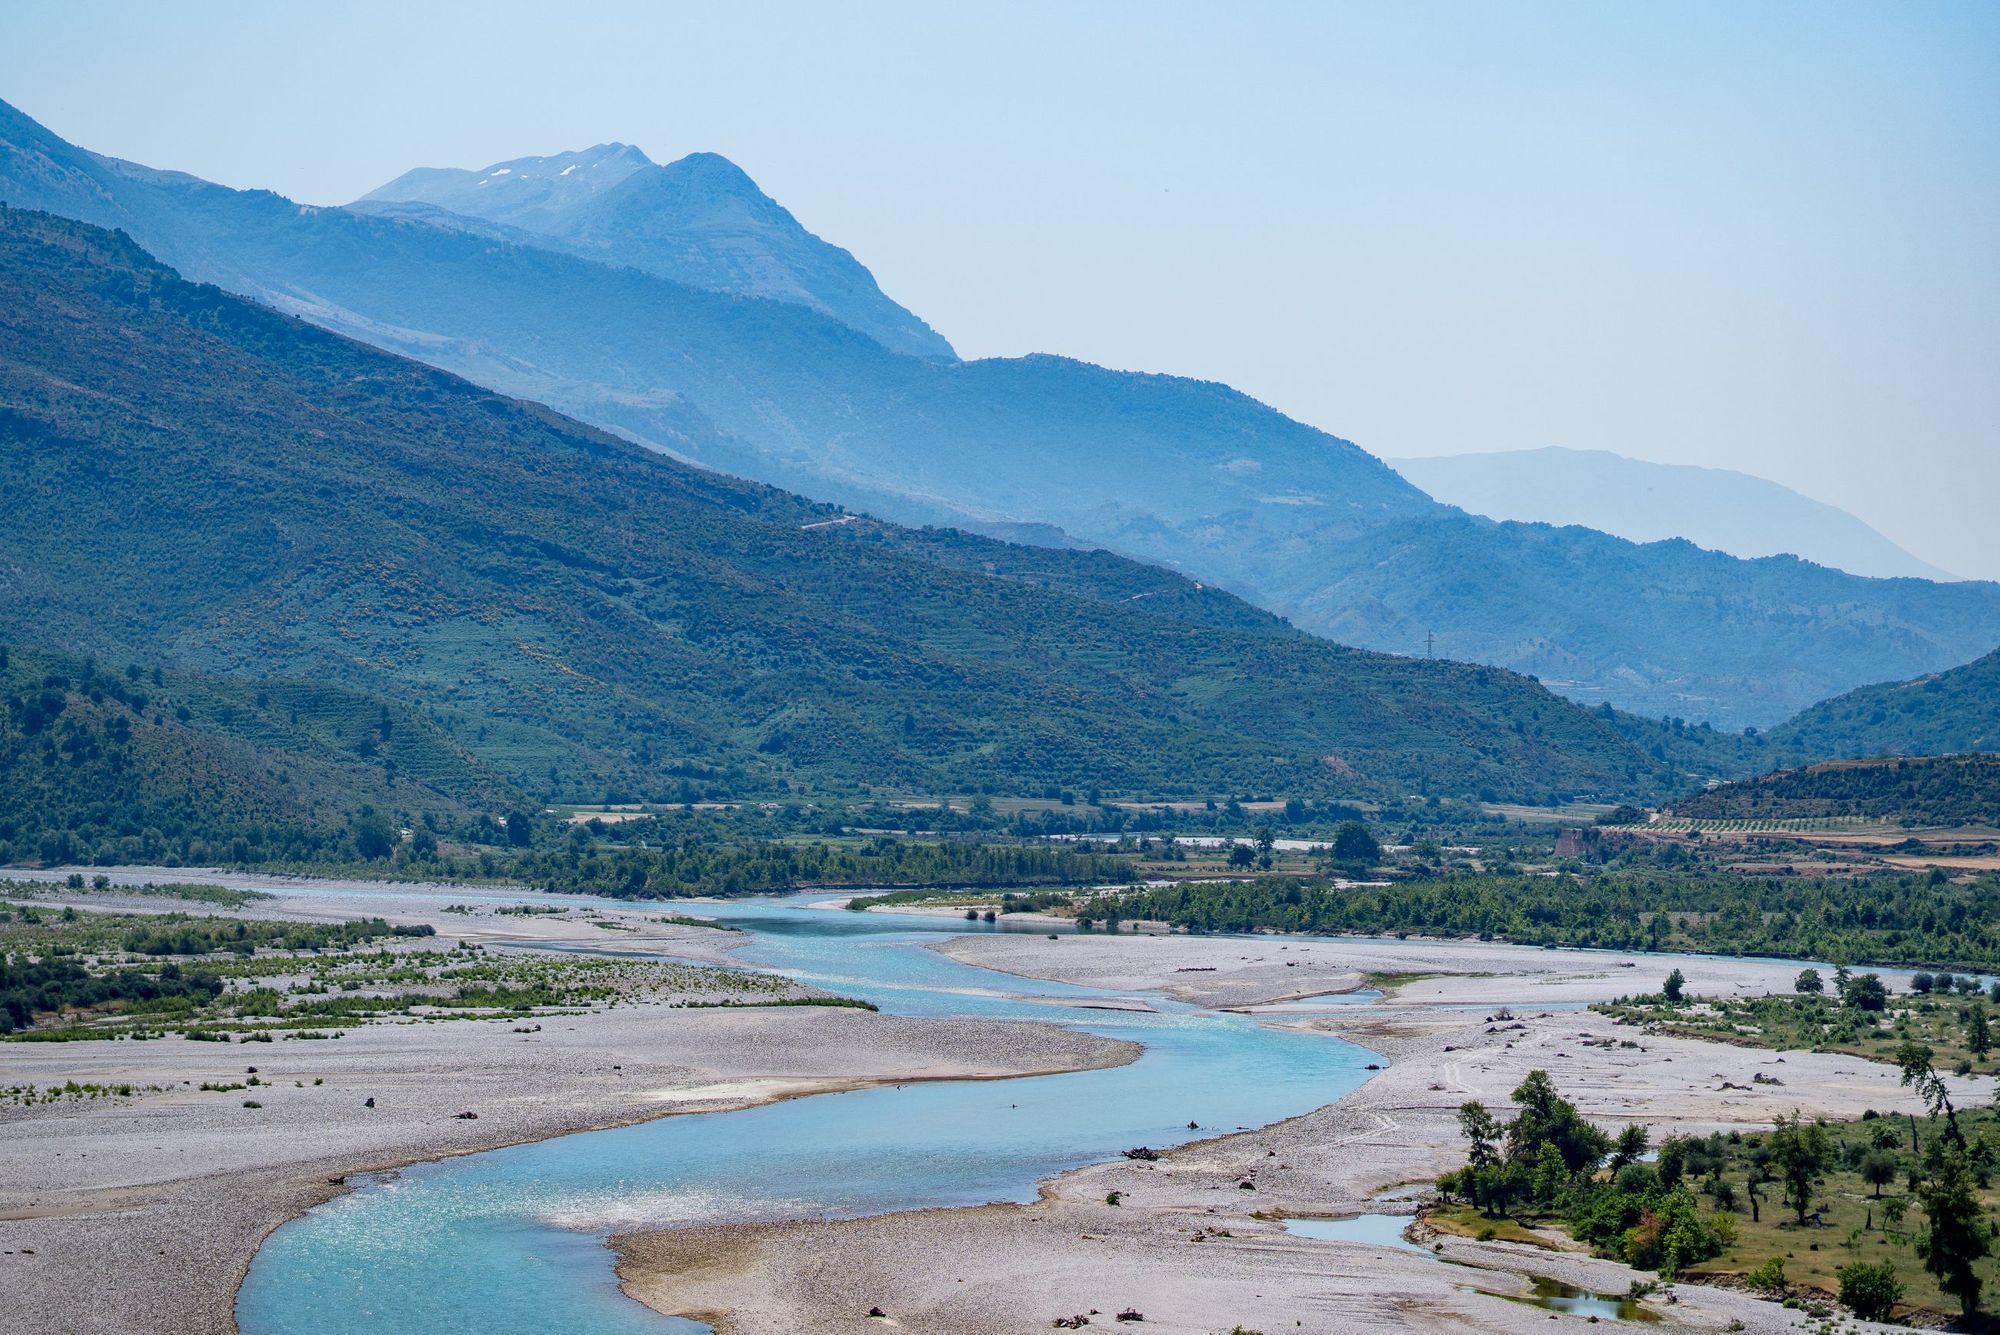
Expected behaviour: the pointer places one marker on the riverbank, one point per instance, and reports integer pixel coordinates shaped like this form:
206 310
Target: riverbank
142 1212
1196 1250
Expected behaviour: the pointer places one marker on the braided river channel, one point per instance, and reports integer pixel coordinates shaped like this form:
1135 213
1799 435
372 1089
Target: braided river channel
513 1240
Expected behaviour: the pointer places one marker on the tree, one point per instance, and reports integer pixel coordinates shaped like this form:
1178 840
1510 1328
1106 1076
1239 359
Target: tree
1483 1129
1629 1147
1671 1164
1870 1291
1921 982
372 836
1915 1060
1550 1174
1978 1031
1809 983
1801 1151
1671 989
1353 843
1955 1236
1878 1170
1865 993
1546 1116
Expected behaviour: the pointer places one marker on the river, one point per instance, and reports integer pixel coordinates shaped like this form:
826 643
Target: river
512 1240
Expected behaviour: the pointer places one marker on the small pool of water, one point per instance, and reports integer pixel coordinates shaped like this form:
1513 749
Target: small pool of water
1386 1230
1372 1230
1571 1301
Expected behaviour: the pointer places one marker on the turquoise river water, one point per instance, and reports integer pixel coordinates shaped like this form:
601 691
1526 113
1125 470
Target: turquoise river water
512 1240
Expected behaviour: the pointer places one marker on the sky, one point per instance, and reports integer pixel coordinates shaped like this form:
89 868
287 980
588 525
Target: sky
1762 236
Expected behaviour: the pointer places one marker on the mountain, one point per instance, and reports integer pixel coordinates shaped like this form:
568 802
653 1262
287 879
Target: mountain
1716 508
699 221
1189 474
584 616
1600 619
150 766
531 194
1939 714
1931 791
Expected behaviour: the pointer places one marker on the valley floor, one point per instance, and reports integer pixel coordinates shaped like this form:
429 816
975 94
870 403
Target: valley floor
142 1213
1194 1250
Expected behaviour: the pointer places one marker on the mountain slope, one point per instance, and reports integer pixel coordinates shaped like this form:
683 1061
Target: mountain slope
1611 620
1940 714
1716 508
1933 790
582 614
146 766
699 221
1192 475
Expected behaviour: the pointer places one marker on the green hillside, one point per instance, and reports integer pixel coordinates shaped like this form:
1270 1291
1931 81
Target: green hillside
1940 714
590 619
1191 474
140 765
1930 790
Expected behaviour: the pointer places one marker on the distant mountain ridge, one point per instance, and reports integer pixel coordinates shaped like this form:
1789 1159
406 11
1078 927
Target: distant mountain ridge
1189 474
579 615
699 220
1716 508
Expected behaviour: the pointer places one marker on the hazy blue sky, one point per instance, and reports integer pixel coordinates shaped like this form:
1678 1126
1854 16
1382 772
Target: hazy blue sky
1764 236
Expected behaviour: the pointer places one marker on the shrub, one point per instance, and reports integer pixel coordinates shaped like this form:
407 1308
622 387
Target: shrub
1768 1277
1870 1290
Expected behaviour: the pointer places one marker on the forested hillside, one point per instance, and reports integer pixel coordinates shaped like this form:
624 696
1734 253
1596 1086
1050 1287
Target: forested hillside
1940 790
1188 473
134 764
589 618
1946 712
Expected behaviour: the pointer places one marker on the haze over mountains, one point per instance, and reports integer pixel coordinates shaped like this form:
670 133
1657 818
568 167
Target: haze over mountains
569 613
1716 508
1186 473
698 221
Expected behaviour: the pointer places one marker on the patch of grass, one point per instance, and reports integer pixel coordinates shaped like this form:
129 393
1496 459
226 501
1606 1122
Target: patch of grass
1465 1221
1818 1024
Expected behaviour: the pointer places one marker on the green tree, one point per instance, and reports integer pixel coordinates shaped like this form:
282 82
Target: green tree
1878 1169
1483 1129
1809 983
1801 1151
1865 993
1551 1174
520 829
1915 1061
1629 1147
1955 1236
1978 1030
1353 843
373 838
1547 1117
1672 988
